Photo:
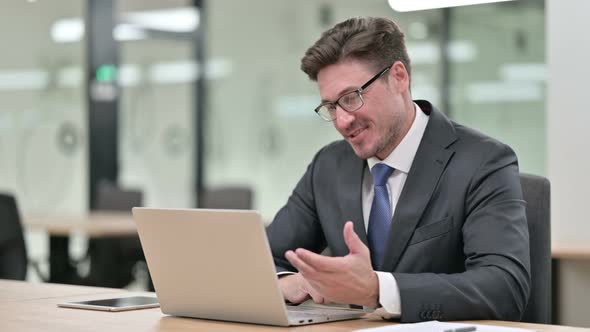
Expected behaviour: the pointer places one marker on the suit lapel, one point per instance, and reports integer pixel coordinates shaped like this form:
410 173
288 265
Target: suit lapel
350 194
429 163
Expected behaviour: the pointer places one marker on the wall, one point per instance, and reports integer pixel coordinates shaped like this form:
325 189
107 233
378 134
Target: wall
568 51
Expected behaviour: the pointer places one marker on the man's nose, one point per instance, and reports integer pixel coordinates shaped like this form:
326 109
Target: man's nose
343 118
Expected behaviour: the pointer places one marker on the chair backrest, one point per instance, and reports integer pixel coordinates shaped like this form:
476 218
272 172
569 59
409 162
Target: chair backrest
112 259
230 197
13 252
112 198
536 192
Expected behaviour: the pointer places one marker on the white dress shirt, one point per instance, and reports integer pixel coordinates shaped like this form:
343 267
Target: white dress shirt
401 159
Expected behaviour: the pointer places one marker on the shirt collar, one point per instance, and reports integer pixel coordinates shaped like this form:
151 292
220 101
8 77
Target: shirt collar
402 157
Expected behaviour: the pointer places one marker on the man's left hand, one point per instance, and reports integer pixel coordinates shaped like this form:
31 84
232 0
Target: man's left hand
349 279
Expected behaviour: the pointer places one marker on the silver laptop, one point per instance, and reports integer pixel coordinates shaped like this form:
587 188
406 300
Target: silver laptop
217 264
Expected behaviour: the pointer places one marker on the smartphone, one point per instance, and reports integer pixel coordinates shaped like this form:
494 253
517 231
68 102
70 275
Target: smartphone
115 304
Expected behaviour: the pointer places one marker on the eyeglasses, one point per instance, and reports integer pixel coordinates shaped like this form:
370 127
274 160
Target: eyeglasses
350 101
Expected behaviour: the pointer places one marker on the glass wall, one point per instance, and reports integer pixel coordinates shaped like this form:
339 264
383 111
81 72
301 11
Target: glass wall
158 73
261 130
500 88
43 131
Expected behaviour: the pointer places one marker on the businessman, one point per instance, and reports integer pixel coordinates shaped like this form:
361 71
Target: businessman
424 218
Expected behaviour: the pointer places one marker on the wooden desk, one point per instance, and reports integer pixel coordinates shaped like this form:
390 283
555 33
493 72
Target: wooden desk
570 251
11 290
563 251
95 224
59 228
38 311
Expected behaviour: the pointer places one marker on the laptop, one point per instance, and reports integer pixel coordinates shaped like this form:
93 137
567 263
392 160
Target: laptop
217 264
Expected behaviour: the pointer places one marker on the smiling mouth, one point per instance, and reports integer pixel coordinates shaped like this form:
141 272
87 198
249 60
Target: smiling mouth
356 132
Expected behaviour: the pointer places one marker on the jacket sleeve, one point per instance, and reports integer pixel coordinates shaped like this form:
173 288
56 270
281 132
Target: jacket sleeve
496 280
296 225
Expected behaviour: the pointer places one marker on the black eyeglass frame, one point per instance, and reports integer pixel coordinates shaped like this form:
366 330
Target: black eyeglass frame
358 91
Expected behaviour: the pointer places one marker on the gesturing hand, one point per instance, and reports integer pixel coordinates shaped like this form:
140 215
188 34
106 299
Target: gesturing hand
349 279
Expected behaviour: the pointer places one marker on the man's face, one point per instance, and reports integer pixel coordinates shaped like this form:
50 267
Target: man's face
379 125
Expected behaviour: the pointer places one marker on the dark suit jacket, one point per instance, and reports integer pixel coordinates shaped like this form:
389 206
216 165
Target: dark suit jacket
458 246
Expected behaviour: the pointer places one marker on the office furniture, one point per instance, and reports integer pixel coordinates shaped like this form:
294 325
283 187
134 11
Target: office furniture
37 310
59 228
227 197
559 252
13 252
94 224
113 198
112 259
11 291
536 192
562 251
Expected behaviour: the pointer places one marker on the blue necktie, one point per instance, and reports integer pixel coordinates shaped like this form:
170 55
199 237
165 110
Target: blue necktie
380 217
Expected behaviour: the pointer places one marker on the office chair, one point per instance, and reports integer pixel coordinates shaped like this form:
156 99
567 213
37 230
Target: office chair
112 259
112 198
227 197
536 192
13 252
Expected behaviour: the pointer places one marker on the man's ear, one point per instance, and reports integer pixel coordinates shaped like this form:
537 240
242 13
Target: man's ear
399 75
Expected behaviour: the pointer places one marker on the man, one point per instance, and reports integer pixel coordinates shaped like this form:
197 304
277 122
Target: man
424 217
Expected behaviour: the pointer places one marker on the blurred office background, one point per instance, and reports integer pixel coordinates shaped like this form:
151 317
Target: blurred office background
209 94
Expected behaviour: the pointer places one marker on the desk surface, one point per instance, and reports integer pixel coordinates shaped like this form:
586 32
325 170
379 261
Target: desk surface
577 251
11 291
95 224
37 310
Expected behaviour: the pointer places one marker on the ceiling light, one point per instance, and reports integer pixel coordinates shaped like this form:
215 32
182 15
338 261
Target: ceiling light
27 79
536 72
67 30
428 53
174 72
498 91
184 19
127 32
412 5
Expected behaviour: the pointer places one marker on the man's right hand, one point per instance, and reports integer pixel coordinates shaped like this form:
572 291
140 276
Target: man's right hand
297 290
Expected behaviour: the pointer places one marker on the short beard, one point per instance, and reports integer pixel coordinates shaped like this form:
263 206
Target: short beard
398 121
381 145
393 135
